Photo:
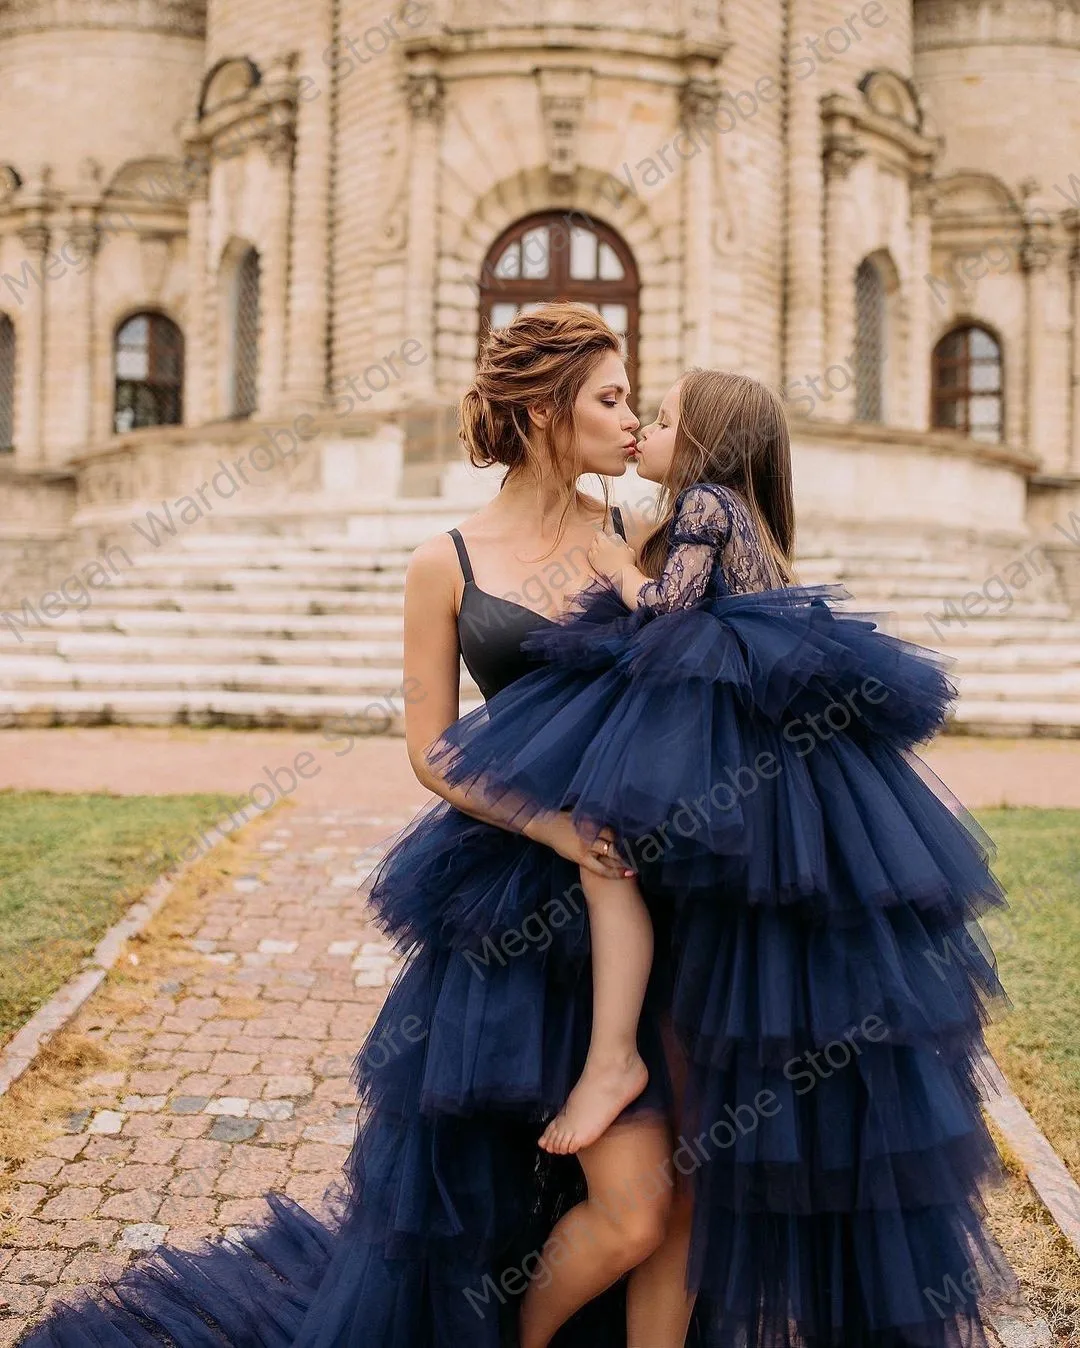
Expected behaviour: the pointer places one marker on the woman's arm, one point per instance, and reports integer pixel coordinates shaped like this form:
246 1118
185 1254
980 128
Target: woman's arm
432 676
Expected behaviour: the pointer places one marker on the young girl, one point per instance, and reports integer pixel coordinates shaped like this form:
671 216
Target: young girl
708 478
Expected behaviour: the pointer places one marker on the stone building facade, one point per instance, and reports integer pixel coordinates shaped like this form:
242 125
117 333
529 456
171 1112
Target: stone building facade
272 230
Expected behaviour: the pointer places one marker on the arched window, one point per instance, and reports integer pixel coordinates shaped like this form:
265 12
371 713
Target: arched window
245 336
149 354
555 256
7 384
870 342
967 384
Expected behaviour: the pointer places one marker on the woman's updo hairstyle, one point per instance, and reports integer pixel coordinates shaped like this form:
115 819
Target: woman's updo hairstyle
543 356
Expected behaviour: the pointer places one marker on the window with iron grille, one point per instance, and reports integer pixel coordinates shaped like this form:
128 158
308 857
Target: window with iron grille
545 257
7 384
149 356
246 323
967 385
870 338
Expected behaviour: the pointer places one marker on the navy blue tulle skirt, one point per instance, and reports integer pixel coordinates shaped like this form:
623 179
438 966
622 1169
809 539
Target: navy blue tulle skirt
819 968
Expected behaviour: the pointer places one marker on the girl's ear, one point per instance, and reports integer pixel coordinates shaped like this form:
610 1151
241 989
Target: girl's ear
540 415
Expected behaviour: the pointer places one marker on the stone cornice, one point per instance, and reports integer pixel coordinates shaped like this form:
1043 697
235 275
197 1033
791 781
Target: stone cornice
941 24
648 57
946 443
182 18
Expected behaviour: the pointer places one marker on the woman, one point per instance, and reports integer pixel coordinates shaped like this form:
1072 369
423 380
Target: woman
447 1202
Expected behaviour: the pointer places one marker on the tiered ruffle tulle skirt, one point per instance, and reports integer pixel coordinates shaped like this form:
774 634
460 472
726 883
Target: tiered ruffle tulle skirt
816 894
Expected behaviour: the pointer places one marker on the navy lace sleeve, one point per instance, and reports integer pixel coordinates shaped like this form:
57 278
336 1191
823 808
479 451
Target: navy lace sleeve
700 529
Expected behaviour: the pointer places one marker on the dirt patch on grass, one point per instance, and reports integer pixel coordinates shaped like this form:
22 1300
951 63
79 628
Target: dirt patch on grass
37 1107
1044 1261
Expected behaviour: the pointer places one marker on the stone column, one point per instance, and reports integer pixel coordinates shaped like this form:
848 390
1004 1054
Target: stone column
1074 346
200 341
84 239
307 375
1035 254
274 273
916 413
803 242
840 156
700 101
426 97
30 353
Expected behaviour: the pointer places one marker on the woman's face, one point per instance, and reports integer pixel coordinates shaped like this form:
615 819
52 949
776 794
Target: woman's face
604 423
657 443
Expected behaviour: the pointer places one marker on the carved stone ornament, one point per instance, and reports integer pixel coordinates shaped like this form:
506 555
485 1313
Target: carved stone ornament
10 182
841 155
699 101
425 93
564 95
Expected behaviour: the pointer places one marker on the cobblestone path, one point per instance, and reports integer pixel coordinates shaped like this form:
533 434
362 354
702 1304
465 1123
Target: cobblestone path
238 1075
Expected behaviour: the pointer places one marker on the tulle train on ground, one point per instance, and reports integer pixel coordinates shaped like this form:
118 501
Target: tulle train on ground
815 892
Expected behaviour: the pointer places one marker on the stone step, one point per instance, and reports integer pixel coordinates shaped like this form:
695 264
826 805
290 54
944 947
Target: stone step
1016 719
346 580
142 623
311 602
296 711
963 574
90 647
1025 685
274 558
906 607
340 714
991 631
924 593
385 648
23 673
1049 656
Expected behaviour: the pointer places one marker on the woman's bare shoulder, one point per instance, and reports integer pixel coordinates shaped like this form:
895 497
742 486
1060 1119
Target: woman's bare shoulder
433 562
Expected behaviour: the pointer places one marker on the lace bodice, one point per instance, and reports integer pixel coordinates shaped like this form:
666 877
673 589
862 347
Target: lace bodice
715 549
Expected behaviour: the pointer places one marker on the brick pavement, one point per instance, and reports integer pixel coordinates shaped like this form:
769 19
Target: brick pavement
237 1079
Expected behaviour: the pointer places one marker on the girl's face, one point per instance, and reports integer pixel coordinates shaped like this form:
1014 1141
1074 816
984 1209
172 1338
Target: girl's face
603 421
657 443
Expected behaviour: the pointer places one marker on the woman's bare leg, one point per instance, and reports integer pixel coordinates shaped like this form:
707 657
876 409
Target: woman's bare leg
621 936
658 1306
619 1224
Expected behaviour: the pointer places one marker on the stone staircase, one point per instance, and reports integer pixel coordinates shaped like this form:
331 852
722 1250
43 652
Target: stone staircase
303 630
1017 659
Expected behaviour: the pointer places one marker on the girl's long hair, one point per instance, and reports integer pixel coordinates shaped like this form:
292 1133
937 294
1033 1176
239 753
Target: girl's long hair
732 431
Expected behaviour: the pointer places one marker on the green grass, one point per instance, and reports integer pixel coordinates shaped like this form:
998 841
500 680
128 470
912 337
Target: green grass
70 865
1037 941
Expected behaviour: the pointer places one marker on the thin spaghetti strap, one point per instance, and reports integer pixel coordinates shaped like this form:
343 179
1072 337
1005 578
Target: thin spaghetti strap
616 516
463 554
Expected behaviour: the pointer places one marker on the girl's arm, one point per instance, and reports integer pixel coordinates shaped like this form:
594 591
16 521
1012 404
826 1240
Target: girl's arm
702 527
432 700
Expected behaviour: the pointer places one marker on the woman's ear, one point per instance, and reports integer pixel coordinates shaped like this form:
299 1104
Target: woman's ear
540 415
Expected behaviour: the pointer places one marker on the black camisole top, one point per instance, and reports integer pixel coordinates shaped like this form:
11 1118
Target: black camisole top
491 629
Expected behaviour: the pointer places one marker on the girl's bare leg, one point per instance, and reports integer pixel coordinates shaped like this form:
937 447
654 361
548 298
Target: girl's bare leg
658 1306
619 1224
621 935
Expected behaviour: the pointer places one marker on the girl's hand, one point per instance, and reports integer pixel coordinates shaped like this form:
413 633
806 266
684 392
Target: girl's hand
598 855
608 554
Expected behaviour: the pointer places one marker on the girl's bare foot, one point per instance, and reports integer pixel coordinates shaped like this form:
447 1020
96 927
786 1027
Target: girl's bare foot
602 1092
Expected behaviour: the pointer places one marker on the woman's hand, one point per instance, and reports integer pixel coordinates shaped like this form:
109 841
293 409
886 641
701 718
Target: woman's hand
598 855
609 554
